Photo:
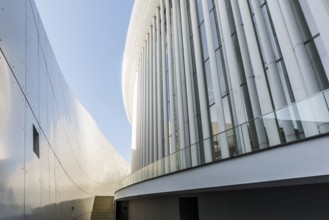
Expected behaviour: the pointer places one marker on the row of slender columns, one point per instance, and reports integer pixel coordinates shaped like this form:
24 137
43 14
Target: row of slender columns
301 77
179 86
201 82
238 110
169 96
278 96
276 88
260 77
304 61
252 89
256 61
215 79
299 48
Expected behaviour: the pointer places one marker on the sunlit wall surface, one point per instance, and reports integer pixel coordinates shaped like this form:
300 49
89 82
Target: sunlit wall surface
53 157
219 78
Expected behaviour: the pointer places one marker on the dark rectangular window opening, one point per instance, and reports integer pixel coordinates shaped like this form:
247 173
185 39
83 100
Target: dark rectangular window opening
36 142
188 208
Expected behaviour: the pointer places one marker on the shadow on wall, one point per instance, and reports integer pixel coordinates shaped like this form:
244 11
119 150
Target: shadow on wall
73 209
302 202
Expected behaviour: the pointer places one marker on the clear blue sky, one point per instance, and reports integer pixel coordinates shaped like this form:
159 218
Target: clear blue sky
88 39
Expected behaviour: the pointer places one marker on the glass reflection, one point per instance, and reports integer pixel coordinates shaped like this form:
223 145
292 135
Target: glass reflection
307 118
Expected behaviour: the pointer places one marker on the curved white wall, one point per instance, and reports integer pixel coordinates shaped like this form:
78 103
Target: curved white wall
76 161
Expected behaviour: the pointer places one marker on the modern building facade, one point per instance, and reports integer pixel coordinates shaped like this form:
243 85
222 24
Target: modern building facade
54 159
227 95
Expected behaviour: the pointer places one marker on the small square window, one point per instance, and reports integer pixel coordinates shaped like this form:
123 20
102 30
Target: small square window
36 142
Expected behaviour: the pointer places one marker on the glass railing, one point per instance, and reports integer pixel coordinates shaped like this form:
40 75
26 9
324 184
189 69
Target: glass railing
295 122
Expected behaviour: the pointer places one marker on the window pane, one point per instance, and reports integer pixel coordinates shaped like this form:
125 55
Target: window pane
214 120
214 29
323 54
221 72
227 113
200 12
317 65
204 41
210 89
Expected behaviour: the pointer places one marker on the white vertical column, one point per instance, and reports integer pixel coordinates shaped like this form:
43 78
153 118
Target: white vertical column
278 96
171 84
201 81
140 115
182 141
189 83
145 102
146 125
295 73
261 136
140 111
164 81
154 92
183 82
299 48
179 71
238 110
231 67
320 12
164 88
135 124
293 69
149 98
151 130
144 105
260 79
215 79
159 87
140 162
256 61
273 76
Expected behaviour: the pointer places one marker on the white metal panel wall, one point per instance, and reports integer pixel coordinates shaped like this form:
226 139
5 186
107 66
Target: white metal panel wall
76 162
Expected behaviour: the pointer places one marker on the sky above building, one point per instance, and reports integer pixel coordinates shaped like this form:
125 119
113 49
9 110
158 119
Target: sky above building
88 39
